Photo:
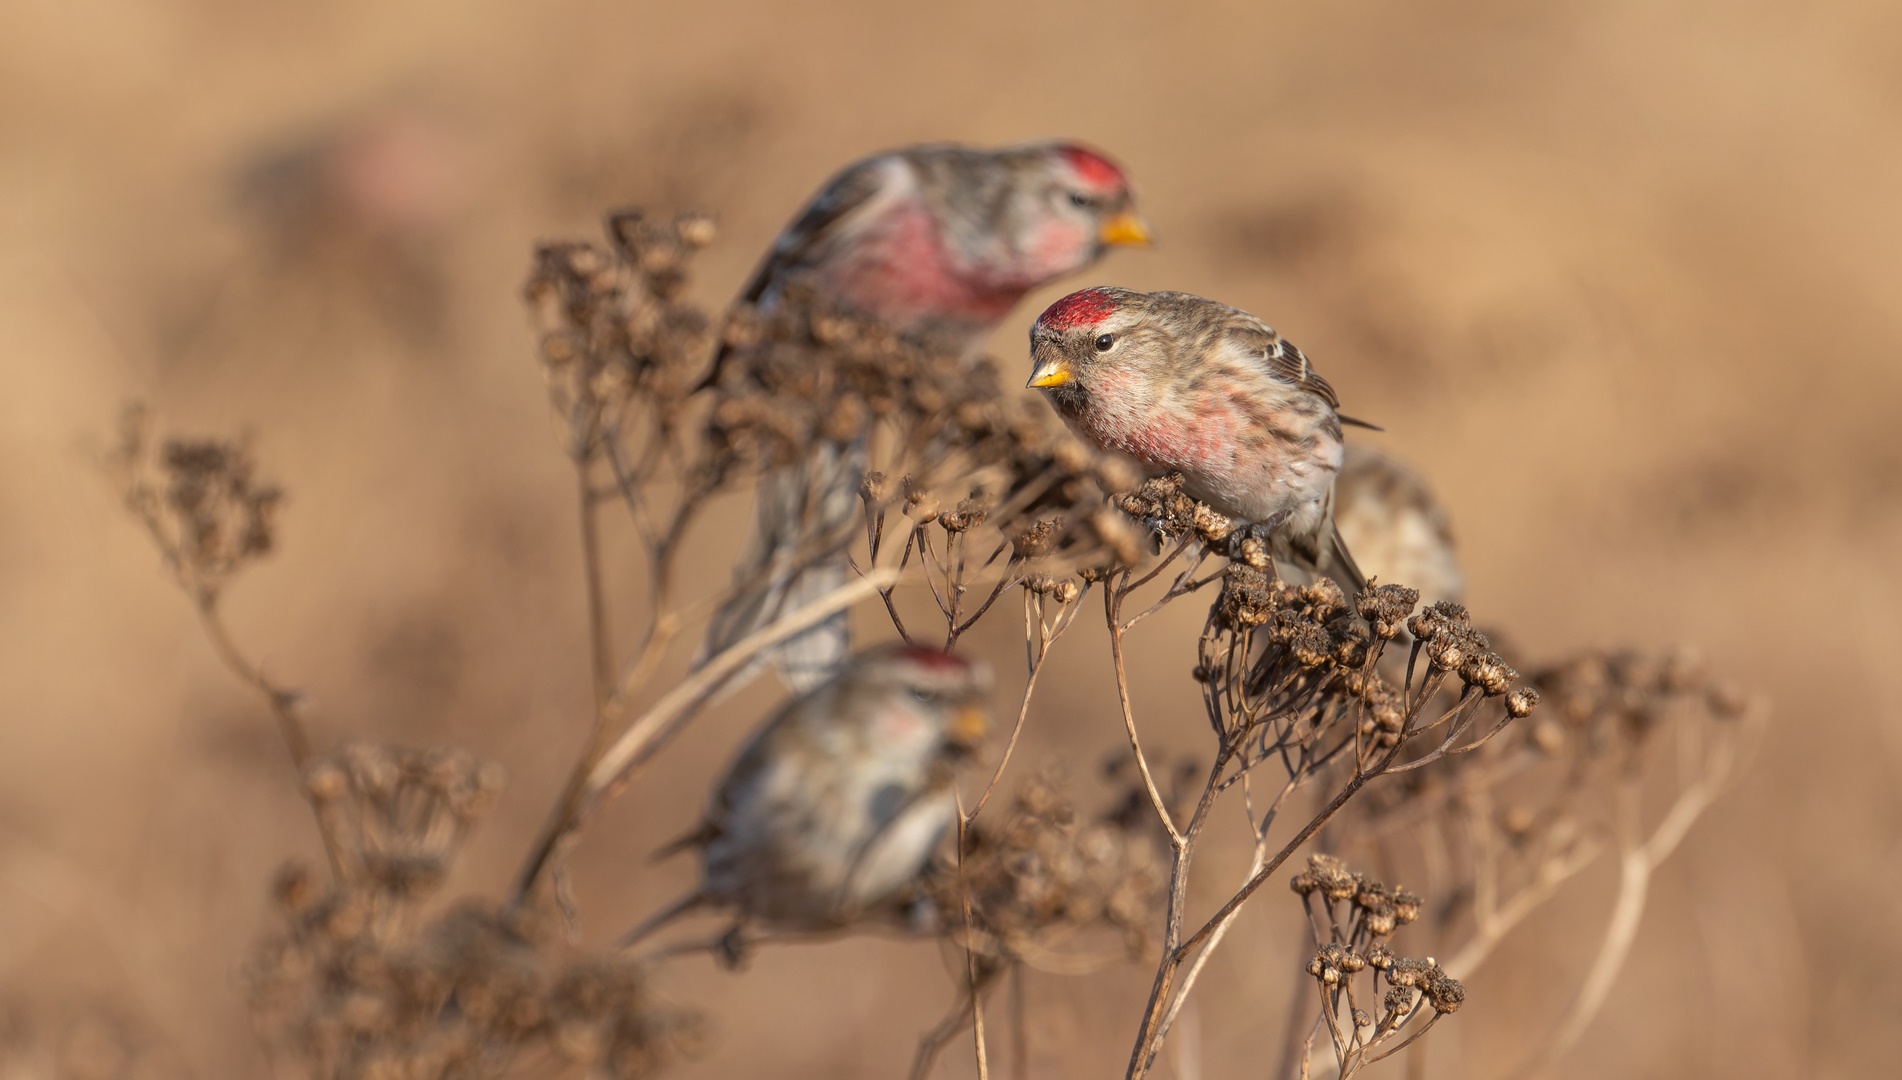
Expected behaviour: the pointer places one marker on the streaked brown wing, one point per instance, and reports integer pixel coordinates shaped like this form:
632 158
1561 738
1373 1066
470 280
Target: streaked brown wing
813 230
1282 359
805 238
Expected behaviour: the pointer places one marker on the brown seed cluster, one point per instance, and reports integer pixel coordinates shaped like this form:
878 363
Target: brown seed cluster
1444 632
200 499
353 987
399 815
1353 917
1604 701
362 982
617 335
1048 873
1360 910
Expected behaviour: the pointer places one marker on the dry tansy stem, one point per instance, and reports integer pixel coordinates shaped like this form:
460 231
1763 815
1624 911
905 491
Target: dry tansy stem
1390 720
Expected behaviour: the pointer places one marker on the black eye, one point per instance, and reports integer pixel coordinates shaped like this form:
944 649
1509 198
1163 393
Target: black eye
923 695
1077 198
1103 343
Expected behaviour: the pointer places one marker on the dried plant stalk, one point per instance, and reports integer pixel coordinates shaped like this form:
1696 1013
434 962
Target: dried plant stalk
1394 722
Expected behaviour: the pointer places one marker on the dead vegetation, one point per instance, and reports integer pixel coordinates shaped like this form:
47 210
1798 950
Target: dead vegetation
1399 729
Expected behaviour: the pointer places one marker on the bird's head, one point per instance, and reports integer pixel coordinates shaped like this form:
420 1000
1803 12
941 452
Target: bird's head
928 690
1062 207
1084 335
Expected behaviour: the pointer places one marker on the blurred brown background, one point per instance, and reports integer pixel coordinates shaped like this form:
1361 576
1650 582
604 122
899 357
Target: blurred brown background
1621 277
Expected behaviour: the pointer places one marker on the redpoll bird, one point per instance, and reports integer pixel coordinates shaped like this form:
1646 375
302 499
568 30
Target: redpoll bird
837 803
1395 527
938 243
1190 386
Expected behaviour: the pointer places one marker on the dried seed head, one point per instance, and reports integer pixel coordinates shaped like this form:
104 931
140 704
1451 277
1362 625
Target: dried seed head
696 230
1212 528
293 889
1038 540
969 515
1521 702
1489 673
920 504
1406 906
1386 608
1445 993
1246 597
1252 551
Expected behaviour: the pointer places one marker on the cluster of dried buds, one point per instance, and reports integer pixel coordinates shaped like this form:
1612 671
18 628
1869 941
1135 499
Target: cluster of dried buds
1360 909
1168 514
1356 916
346 990
399 816
1274 650
200 499
1603 701
615 328
1444 632
626 357
359 982
1046 875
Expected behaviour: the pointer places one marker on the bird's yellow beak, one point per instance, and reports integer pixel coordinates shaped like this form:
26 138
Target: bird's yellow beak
1124 230
1052 374
970 726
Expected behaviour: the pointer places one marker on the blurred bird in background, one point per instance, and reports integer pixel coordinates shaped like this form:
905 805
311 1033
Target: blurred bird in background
1396 528
938 243
837 803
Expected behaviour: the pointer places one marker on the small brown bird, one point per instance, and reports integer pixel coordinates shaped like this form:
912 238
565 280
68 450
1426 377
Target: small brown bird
1188 385
837 803
938 243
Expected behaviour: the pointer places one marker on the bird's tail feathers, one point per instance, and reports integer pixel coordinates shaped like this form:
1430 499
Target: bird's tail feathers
1338 563
699 836
691 901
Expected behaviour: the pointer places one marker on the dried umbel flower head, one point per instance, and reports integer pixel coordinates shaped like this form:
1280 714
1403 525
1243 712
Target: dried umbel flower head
1360 914
1613 700
1360 911
200 499
343 991
619 343
1048 872
1163 509
401 815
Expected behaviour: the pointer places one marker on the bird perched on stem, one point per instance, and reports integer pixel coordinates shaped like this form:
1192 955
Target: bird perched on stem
837 803
1187 385
938 243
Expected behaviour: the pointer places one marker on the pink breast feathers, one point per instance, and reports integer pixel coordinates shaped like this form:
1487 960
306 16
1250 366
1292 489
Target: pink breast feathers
899 274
